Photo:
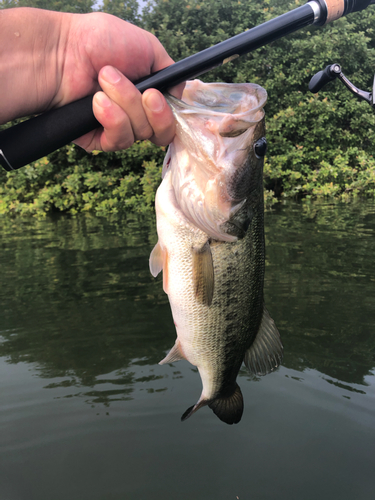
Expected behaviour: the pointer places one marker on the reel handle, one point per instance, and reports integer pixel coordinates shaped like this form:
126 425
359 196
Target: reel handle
333 71
321 78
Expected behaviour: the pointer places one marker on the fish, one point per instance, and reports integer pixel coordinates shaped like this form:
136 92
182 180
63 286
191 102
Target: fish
211 250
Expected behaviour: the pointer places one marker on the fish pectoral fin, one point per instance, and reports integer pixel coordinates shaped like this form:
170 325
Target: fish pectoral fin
266 352
203 274
175 354
159 261
156 260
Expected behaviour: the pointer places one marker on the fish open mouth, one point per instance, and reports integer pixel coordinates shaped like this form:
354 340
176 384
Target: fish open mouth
243 101
214 167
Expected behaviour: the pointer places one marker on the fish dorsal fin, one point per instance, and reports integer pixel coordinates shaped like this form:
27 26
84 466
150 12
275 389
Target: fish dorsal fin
266 352
203 274
175 354
156 260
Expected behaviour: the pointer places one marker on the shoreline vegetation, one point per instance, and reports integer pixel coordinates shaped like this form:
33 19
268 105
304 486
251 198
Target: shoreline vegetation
319 145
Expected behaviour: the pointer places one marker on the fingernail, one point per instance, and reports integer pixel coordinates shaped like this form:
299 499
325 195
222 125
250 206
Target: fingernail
102 100
155 102
111 74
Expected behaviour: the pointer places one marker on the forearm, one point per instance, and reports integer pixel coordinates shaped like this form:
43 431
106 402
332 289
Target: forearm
30 59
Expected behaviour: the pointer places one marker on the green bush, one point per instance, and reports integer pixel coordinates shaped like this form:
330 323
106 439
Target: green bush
71 180
320 145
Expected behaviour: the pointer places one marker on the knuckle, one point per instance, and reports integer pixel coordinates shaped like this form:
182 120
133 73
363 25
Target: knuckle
144 132
119 144
161 141
132 96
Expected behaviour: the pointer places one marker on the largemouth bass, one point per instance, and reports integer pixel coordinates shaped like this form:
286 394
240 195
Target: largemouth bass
209 210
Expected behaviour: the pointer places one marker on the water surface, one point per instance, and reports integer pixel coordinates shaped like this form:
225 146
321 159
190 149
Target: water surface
87 413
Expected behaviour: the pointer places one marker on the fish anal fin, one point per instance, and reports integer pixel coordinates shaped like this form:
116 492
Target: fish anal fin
203 274
156 260
228 408
266 352
175 354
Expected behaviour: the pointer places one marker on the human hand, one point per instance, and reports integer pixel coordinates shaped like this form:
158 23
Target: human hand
49 59
125 114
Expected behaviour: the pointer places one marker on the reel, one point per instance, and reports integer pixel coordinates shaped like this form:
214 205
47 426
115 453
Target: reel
333 71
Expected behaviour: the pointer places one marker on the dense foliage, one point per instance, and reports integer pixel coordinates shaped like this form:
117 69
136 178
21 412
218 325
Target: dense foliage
319 145
74 181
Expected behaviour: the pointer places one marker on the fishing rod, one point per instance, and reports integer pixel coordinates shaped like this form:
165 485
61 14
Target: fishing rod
37 137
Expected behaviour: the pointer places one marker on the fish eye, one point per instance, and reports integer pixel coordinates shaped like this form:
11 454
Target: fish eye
260 147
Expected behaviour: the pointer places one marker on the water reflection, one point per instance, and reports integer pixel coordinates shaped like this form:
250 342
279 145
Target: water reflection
321 286
79 304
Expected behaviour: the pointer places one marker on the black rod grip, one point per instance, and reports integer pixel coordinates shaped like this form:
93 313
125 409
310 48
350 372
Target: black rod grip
32 139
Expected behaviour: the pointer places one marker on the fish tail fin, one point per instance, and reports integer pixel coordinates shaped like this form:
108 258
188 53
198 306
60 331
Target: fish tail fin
228 408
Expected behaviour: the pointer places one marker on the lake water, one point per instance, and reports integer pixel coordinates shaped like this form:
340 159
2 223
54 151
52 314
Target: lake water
86 412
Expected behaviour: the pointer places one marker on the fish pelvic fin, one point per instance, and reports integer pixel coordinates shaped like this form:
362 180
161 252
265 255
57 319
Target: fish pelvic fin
203 274
266 352
228 408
